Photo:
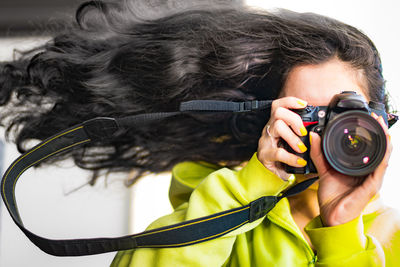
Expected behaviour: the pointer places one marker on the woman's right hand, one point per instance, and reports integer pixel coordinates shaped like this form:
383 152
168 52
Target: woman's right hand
287 125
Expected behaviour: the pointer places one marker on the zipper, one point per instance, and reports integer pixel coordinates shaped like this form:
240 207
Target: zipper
312 257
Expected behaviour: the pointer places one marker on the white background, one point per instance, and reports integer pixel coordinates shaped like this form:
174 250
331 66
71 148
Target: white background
109 209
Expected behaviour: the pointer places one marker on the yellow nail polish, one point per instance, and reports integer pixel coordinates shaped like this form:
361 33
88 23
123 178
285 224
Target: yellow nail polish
303 131
301 162
302 147
310 139
302 103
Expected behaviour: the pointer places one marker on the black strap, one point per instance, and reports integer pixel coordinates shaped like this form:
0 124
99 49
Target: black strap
181 234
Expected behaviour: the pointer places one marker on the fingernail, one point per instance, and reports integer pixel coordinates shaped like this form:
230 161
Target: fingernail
302 147
301 162
302 103
303 131
310 139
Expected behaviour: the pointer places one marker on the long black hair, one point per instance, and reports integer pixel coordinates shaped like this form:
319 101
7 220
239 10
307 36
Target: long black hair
114 61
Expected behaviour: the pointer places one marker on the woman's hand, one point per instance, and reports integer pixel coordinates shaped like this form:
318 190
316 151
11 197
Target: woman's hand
287 125
342 198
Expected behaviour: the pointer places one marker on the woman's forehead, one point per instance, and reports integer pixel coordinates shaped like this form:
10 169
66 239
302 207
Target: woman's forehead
317 84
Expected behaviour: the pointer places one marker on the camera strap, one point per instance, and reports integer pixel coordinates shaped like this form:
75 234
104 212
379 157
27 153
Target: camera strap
177 235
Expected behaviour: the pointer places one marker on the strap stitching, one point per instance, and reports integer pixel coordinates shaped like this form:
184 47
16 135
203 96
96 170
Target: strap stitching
16 162
197 240
196 222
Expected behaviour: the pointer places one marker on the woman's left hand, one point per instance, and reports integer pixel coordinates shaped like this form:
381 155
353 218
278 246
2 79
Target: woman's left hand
342 198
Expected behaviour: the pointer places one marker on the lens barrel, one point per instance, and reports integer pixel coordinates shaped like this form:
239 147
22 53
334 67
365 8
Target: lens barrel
354 143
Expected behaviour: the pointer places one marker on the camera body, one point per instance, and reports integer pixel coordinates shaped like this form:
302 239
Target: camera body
353 142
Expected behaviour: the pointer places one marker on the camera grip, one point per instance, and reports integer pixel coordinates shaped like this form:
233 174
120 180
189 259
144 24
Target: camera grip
309 168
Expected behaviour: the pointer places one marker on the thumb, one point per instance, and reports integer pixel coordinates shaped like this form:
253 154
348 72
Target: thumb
316 154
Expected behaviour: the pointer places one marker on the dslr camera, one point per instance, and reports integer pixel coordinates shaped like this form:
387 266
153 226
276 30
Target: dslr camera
353 142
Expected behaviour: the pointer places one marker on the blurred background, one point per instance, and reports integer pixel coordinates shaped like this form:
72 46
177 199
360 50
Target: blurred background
22 17
56 202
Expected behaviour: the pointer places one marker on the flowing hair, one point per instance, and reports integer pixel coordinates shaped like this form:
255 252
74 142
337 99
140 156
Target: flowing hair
116 60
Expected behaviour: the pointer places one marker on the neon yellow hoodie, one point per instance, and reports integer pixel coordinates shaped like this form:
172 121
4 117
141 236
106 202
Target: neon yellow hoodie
199 189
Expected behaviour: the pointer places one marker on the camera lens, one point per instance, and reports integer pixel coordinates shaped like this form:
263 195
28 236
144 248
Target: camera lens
354 143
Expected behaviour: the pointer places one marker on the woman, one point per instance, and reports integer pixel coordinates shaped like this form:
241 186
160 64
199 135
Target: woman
114 63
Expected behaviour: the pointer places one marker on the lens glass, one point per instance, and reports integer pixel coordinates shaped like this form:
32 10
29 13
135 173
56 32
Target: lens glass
354 143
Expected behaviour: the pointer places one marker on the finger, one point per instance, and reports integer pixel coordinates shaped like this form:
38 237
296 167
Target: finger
283 156
389 147
380 170
291 118
280 110
278 154
386 130
374 181
381 122
288 102
280 129
316 153
377 175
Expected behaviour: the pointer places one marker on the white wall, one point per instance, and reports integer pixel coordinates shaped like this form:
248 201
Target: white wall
50 206
49 209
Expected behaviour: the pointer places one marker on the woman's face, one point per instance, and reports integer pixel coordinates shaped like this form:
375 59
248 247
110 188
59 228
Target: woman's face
317 84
